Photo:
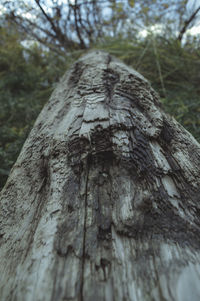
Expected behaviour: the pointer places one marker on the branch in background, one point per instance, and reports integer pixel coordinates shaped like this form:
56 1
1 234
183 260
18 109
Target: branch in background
43 42
75 25
187 23
29 27
85 24
76 8
62 38
19 21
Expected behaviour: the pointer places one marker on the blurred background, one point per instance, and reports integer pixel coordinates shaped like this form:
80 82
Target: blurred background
40 39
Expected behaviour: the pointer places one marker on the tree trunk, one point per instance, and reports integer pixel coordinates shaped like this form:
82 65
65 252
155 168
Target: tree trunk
103 201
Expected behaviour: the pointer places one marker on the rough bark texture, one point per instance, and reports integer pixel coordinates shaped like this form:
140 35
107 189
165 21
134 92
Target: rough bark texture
103 201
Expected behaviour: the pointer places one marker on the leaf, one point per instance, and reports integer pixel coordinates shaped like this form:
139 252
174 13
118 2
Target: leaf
120 7
165 5
131 3
145 9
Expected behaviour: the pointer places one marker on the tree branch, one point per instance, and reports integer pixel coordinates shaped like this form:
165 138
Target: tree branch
63 40
75 9
187 23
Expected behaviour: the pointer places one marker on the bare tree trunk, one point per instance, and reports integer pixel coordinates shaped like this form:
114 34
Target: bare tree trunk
103 201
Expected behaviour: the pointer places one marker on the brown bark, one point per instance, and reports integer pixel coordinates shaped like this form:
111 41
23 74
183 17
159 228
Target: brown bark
103 201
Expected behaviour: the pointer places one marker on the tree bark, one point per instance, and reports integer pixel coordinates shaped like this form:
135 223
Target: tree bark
103 201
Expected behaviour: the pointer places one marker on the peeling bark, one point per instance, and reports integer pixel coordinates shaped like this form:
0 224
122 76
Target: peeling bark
103 201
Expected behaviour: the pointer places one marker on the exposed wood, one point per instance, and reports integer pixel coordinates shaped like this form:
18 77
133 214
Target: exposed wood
103 201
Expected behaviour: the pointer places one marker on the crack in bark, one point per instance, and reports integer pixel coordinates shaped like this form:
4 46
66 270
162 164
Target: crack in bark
87 168
38 197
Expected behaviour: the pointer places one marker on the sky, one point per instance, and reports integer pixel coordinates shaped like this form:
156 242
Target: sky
195 30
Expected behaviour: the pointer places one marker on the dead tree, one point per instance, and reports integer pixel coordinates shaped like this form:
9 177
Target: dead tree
103 202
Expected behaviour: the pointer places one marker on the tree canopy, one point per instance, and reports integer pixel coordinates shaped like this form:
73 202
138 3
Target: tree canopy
74 24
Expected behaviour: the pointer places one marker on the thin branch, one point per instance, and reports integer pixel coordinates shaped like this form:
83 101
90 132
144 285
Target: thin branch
62 39
187 23
49 19
34 25
75 9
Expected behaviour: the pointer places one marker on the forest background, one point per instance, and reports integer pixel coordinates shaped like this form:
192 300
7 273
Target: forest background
39 40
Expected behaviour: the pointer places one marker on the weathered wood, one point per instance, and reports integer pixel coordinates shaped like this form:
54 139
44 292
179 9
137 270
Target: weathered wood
103 201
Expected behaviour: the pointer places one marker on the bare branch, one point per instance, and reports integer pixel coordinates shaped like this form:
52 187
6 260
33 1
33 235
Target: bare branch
62 38
76 8
187 23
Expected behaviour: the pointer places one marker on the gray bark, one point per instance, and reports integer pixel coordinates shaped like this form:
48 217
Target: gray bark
103 201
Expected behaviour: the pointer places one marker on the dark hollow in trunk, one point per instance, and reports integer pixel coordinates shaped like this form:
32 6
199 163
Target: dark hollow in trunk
103 201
